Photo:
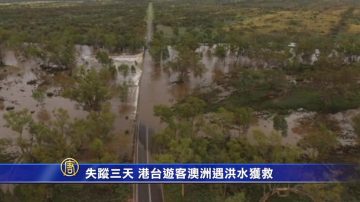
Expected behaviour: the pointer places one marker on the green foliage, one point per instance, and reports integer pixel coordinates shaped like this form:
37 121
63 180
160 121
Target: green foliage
103 58
199 137
205 137
32 50
321 88
158 47
60 50
116 26
91 89
220 51
124 69
243 116
39 95
61 137
327 192
269 148
97 146
17 121
319 144
96 125
5 155
191 107
187 59
349 44
280 124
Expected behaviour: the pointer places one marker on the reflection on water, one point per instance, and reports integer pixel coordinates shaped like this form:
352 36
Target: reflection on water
17 89
158 84
156 87
154 90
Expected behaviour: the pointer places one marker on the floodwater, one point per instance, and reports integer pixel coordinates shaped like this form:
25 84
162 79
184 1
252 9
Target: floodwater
157 87
148 86
125 110
154 85
17 92
22 78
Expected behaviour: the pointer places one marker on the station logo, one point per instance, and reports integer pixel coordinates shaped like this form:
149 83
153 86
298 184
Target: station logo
69 167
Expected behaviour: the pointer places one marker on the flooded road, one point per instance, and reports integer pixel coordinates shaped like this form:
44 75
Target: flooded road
154 90
154 84
148 85
20 78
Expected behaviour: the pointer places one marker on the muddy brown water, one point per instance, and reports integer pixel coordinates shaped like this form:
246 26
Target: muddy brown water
156 87
17 93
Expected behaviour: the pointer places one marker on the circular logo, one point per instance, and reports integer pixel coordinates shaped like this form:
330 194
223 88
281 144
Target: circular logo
69 167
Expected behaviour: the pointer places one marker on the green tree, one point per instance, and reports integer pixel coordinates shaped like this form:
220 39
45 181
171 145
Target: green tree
319 144
220 52
280 124
187 59
104 58
324 192
90 89
269 148
158 47
124 69
18 122
39 96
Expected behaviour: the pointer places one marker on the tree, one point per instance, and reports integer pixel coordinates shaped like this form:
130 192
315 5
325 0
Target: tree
187 59
90 89
18 122
5 155
190 107
280 124
325 192
220 52
52 140
269 148
243 117
158 47
97 124
39 96
319 143
124 68
60 50
239 44
61 137
103 58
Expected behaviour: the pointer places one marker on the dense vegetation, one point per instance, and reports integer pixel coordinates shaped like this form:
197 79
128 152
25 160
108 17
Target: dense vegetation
202 128
50 31
208 126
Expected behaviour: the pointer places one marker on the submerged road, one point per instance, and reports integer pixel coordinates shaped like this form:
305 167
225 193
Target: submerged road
142 133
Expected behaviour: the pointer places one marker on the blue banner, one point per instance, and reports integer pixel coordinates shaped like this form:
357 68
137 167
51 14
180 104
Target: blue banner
72 172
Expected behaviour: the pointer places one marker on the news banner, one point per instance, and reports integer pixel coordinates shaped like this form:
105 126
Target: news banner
70 171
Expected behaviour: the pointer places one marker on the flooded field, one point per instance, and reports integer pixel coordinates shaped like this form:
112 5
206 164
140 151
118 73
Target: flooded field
158 87
148 85
21 78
